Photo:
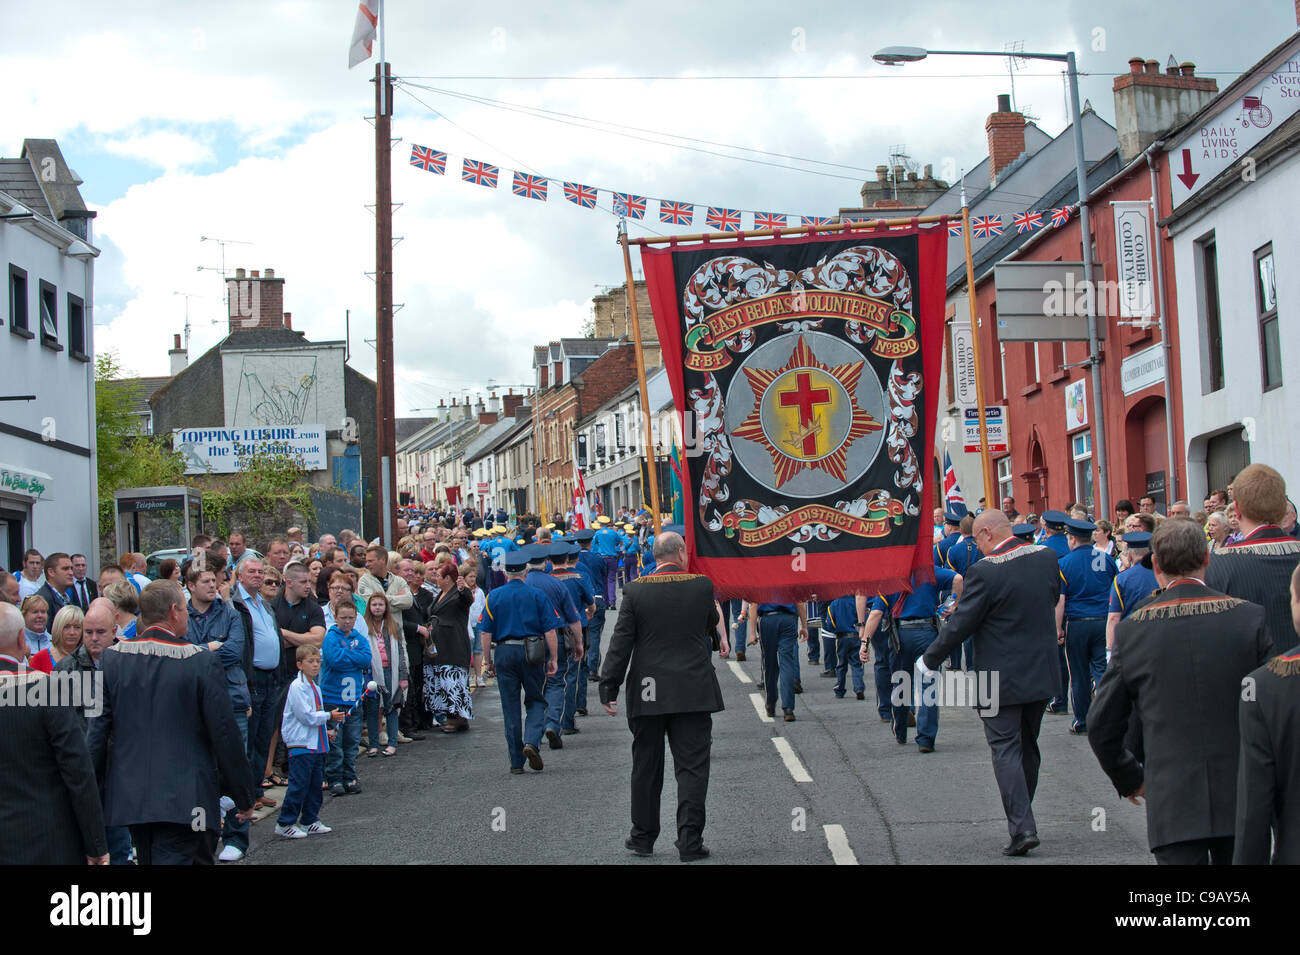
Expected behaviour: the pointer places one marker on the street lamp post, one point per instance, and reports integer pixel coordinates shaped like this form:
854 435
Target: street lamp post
895 55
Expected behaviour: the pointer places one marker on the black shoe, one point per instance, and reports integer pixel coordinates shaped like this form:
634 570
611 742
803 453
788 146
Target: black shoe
760 685
516 770
1077 730
351 788
637 850
701 853
336 789
911 718
900 742
886 719
581 712
826 673
593 678
740 655
534 758
553 738
798 687
414 736
771 710
1020 844
789 715
839 695
860 695
924 749
570 732
1056 710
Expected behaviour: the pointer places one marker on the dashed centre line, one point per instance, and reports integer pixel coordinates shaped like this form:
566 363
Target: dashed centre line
760 705
790 759
739 671
838 842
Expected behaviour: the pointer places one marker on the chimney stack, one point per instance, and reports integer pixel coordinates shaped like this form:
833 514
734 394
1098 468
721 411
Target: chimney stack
255 302
1006 133
180 358
511 404
1149 103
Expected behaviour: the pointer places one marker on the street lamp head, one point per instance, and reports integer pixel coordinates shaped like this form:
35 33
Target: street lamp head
893 55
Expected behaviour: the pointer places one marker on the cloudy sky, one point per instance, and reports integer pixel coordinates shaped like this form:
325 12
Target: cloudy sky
240 121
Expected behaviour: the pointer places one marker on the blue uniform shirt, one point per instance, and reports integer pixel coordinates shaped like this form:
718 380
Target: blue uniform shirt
786 608
1087 590
1131 586
923 601
1057 542
595 565
557 592
607 543
842 615
941 548
517 610
579 590
962 554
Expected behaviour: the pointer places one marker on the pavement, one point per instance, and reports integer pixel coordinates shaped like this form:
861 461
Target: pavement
831 787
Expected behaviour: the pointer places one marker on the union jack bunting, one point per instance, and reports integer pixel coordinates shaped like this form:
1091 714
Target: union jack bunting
626 204
855 217
429 159
581 195
530 187
724 220
954 228
1060 216
1028 221
480 173
676 213
770 220
981 227
814 220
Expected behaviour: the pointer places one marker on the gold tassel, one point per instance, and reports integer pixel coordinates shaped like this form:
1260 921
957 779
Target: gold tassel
1185 608
153 648
1263 548
1284 666
667 577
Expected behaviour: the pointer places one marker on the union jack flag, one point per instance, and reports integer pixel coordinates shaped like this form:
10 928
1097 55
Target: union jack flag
626 204
429 159
855 217
1028 221
530 187
581 195
1060 216
981 227
676 213
724 220
480 173
951 490
954 228
770 220
814 220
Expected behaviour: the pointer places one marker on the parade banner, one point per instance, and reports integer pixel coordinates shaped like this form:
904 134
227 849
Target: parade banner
807 368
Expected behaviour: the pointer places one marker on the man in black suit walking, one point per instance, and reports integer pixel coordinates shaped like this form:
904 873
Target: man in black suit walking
58 581
49 805
1179 660
84 590
662 643
166 745
1008 604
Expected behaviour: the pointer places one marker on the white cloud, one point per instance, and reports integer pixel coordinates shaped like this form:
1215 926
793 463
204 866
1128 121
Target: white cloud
170 151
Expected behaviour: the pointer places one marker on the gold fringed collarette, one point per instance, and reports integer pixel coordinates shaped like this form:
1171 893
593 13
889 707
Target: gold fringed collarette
667 577
1285 666
157 648
1185 608
1013 553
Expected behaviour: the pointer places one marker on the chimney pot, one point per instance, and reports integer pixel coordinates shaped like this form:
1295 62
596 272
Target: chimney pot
911 177
288 320
898 173
928 172
882 173
239 273
269 273
1153 66
1135 64
1171 66
1004 102
176 341
1187 69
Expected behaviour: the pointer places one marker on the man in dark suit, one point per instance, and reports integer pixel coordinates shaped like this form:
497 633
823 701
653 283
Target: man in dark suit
1179 660
1258 567
58 581
1268 772
167 744
84 590
662 644
49 804
1008 604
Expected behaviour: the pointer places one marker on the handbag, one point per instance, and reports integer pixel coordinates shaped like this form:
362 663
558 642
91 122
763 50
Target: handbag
534 650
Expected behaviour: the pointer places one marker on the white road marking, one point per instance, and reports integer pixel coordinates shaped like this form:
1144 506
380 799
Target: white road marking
741 675
761 705
841 852
791 760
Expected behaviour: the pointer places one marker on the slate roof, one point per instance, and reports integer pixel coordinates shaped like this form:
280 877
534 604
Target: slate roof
18 179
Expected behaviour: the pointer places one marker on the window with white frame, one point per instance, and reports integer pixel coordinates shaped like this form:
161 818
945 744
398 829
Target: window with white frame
1081 446
1006 486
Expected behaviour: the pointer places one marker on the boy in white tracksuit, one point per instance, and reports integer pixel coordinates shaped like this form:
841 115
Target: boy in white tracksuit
305 737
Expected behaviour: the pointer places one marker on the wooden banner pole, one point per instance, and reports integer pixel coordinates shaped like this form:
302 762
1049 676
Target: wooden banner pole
652 471
845 227
986 461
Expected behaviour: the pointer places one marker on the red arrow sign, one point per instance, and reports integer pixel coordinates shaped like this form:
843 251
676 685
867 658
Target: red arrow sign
1187 177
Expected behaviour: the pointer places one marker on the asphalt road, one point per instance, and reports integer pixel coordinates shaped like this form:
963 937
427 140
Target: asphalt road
831 787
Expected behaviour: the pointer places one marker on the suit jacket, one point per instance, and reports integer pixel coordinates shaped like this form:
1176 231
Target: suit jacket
1259 569
92 591
49 804
167 745
1008 604
1179 661
47 593
662 643
1268 771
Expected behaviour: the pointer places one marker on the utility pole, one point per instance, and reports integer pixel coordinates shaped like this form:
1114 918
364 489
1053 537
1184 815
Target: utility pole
386 435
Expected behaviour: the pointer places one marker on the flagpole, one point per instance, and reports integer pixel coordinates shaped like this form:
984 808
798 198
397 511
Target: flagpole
385 403
651 470
986 463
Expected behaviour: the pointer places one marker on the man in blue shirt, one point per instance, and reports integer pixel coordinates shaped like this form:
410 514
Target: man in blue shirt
952 530
961 555
913 619
263 677
595 565
608 545
841 619
564 556
569 645
1053 536
1087 575
512 613
781 626
1133 585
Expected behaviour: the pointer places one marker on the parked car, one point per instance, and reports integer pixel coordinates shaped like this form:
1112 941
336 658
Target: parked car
154 560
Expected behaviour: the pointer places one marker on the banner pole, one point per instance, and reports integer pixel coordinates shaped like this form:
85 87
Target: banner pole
651 469
986 462
845 227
